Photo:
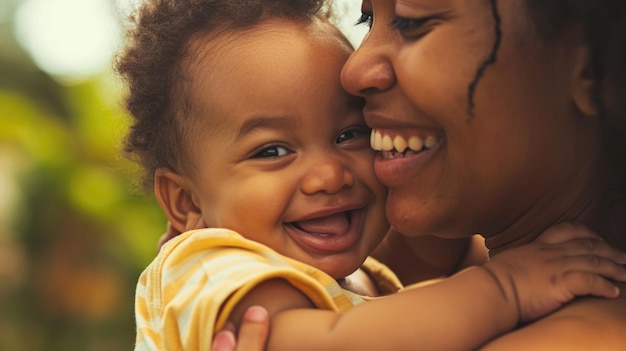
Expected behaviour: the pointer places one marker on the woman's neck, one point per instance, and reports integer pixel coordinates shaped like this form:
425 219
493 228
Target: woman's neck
608 217
601 207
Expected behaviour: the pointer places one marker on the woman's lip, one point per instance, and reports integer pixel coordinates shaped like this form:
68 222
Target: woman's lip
399 121
400 170
329 243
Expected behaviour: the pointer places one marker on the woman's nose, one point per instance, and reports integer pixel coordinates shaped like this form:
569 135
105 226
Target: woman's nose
329 177
368 69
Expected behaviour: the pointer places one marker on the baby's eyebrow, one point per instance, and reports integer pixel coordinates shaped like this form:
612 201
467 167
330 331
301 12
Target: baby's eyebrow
267 122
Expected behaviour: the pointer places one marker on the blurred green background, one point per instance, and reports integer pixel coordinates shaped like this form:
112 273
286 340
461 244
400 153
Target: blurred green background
75 230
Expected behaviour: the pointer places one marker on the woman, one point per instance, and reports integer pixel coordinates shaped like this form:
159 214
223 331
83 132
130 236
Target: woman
526 99
524 104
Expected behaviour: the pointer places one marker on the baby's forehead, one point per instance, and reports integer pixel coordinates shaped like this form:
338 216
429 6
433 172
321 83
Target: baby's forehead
283 68
275 33
274 45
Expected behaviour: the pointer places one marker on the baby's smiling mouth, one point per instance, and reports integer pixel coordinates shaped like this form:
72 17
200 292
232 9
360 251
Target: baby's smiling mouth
331 234
336 224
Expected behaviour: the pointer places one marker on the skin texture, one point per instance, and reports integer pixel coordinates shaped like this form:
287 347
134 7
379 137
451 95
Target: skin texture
526 155
420 258
232 144
269 155
498 171
520 146
281 157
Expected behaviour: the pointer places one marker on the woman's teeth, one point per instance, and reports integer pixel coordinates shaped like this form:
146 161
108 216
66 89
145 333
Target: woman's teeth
399 146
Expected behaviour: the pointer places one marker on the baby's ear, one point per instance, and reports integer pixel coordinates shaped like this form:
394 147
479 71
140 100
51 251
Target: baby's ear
175 199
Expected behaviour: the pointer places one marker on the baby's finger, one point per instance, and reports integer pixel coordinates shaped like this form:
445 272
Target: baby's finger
254 330
566 231
589 246
224 340
585 283
593 264
229 326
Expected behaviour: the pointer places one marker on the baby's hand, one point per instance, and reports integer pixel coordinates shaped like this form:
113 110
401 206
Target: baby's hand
566 261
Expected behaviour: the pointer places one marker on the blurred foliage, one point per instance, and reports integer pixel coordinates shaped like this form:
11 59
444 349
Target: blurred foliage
75 232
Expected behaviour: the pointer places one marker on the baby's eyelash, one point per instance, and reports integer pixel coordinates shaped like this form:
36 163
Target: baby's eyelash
271 151
366 18
354 132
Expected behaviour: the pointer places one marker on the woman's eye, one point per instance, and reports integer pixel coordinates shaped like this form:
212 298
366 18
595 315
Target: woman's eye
272 152
409 27
353 133
366 19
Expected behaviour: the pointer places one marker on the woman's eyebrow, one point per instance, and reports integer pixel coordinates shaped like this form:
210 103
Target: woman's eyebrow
422 4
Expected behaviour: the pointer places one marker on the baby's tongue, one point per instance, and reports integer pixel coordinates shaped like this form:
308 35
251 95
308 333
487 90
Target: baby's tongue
334 224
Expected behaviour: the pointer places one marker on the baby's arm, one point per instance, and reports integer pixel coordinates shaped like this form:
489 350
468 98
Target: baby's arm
460 313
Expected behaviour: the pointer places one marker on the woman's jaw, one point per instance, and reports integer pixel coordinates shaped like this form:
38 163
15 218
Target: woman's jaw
426 198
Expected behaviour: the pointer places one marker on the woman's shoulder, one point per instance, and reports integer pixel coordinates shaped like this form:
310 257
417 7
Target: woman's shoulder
586 324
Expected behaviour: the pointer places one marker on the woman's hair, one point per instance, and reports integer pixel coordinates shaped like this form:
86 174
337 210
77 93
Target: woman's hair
604 25
152 66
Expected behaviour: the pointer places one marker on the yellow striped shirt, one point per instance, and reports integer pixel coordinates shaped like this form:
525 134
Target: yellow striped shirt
191 287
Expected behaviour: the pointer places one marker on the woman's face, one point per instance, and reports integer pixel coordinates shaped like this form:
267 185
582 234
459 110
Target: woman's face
461 154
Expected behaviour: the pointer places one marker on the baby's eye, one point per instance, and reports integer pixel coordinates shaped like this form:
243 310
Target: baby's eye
272 152
366 19
354 132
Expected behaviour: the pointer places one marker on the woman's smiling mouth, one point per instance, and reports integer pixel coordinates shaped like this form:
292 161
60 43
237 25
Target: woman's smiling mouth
399 146
404 154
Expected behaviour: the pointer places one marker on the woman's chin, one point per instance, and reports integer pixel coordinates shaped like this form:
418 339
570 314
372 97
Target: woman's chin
407 217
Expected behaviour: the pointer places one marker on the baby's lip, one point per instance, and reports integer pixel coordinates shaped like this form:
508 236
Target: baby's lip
331 233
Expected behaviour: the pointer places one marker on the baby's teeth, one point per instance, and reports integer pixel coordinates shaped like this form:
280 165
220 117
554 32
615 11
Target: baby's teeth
415 143
399 144
431 141
387 144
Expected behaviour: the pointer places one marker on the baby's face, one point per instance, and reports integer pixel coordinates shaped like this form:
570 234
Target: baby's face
281 153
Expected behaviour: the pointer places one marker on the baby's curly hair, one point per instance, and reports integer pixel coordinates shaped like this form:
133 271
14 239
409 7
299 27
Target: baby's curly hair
158 42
